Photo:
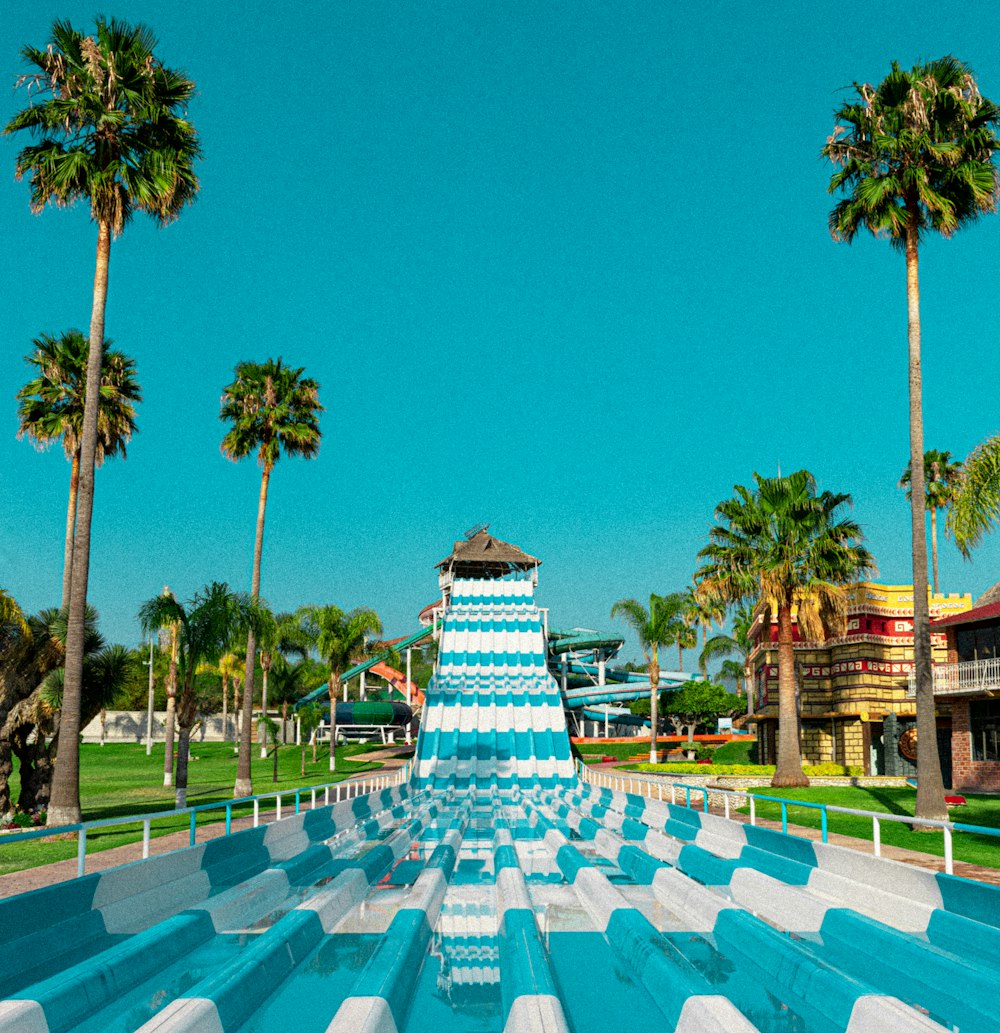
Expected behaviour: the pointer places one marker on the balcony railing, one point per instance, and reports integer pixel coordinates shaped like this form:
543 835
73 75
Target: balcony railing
964 679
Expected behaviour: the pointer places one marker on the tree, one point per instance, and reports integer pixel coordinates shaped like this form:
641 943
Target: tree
941 480
51 407
310 718
31 687
915 155
342 641
109 122
280 635
975 506
654 628
784 543
206 626
703 610
733 650
288 683
272 410
698 702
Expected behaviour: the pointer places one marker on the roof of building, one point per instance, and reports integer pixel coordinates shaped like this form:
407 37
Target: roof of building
990 611
991 595
483 548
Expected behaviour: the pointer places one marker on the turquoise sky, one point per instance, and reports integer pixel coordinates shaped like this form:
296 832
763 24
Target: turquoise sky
563 267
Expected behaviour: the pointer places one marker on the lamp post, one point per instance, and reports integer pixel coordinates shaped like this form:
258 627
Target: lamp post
149 711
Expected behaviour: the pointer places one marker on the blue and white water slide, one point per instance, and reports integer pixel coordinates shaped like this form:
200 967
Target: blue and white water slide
494 891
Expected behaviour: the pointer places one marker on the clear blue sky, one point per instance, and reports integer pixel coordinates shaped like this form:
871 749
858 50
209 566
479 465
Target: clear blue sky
560 266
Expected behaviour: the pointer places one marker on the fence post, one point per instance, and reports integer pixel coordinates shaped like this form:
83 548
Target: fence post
313 805
298 801
784 816
194 823
673 793
823 824
145 837
725 801
753 811
704 800
229 818
279 807
338 792
256 812
877 836
687 797
949 861
81 852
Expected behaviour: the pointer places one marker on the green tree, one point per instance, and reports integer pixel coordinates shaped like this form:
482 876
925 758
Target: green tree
733 650
782 542
272 410
914 155
696 703
702 610
941 480
975 506
51 405
280 635
206 626
109 123
310 718
655 628
288 684
342 640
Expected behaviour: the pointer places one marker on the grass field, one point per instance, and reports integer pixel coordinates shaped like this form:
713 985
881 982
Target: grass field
119 779
979 810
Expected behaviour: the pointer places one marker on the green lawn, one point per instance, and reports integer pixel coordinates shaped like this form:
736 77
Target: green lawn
980 810
119 779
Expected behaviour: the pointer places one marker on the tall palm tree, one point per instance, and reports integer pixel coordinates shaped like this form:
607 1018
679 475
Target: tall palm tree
941 479
207 624
915 155
658 626
272 410
110 128
975 507
51 406
733 649
782 542
342 640
703 610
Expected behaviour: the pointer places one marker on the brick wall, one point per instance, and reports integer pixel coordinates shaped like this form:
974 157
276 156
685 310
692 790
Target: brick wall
975 776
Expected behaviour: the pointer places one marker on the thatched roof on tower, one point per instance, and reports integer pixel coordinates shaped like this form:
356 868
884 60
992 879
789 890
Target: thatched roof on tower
482 555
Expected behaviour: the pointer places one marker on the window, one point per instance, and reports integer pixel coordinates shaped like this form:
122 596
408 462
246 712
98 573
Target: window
984 721
977 642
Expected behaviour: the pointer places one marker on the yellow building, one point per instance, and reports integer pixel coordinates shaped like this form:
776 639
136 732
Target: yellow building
849 685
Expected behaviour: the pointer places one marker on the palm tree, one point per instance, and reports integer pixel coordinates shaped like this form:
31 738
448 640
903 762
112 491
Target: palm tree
110 130
703 610
733 650
51 406
288 683
783 543
975 506
272 410
655 627
941 479
279 634
915 154
207 624
342 640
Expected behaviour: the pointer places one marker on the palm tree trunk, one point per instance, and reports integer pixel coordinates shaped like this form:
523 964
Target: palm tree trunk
183 746
244 784
654 717
168 725
934 565
74 485
788 771
225 708
930 785
64 804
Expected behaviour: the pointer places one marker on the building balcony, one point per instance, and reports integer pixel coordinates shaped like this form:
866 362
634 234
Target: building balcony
970 678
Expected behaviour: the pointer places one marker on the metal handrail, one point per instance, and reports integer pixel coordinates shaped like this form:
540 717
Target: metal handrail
343 791
948 827
965 676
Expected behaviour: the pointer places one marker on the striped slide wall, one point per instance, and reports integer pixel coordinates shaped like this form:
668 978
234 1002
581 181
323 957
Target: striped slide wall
946 976
493 714
93 938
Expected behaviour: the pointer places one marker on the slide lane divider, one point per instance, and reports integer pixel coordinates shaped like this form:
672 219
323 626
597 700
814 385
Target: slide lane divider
673 983
380 998
230 996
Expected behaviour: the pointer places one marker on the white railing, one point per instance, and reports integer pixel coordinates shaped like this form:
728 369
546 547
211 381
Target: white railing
966 678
